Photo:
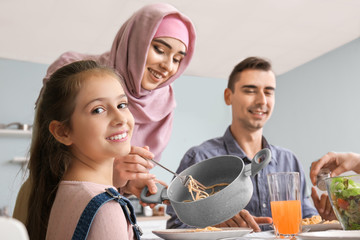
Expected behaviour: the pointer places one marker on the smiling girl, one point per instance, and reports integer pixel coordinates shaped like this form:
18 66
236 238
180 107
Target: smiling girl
82 123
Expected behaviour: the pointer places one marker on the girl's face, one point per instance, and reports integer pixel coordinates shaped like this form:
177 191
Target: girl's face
101 125
162 62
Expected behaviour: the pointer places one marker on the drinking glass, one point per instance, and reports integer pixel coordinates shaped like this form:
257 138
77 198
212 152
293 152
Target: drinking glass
285 203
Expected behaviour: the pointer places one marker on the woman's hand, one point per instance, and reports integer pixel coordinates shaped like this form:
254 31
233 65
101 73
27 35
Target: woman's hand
245 219
337 163
136 186
133 166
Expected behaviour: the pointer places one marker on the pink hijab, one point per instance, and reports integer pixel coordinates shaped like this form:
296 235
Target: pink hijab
153 110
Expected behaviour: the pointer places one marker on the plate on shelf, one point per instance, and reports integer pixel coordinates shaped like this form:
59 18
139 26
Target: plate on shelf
330 234
322 227
191 234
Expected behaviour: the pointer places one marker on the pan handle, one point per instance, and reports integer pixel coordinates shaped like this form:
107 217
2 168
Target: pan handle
260 160
158 197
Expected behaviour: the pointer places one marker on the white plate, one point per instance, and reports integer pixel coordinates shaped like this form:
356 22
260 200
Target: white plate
331 234
189 234
322 227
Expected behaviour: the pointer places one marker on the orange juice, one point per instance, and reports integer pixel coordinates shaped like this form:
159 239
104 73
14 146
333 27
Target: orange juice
286 216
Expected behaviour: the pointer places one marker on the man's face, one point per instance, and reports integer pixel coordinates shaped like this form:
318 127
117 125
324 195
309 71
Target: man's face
253 98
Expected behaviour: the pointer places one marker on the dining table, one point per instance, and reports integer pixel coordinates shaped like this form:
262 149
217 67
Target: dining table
269 235
154 228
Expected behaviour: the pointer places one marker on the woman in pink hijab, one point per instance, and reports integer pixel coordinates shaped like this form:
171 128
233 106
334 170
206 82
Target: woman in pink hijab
152 107
152 49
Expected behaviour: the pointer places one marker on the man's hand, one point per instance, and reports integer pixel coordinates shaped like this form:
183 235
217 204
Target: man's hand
323 205
245 219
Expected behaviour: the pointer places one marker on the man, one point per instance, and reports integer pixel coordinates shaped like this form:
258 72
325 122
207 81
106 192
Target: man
251 95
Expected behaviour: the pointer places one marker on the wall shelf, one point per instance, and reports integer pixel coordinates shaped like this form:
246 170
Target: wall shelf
14 132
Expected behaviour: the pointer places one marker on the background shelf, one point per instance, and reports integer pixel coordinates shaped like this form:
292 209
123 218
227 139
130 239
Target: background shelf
15 132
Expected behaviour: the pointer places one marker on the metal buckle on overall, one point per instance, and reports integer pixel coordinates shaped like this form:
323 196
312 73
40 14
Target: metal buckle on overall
112 195
139 230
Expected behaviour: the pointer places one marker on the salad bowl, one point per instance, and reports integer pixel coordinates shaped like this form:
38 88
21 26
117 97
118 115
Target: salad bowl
344 194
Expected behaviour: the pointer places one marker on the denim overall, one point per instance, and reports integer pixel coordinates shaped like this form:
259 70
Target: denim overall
85 221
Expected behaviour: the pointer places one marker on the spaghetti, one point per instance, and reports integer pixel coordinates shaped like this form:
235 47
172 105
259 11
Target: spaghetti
207 229
317 220
198 191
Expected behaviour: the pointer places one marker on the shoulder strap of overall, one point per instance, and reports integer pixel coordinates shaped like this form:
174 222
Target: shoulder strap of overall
82 229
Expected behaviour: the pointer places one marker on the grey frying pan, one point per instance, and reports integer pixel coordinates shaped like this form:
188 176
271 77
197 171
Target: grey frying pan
222 205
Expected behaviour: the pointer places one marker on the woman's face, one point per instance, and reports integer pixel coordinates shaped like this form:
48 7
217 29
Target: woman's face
162 62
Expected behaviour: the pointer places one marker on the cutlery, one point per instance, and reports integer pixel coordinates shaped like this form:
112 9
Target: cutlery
185 180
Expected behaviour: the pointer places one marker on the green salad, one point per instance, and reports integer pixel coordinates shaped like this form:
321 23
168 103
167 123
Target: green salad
345 195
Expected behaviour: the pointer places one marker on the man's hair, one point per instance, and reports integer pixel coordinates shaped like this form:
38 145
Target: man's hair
248 63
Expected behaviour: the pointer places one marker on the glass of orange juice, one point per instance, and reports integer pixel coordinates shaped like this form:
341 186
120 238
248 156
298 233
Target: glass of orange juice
285 203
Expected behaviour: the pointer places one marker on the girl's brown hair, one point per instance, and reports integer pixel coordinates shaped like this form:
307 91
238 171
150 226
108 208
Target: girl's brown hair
49 158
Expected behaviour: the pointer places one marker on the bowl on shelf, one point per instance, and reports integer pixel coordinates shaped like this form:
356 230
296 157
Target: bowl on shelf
344 194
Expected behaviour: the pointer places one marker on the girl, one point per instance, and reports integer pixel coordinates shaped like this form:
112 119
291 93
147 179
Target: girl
82 123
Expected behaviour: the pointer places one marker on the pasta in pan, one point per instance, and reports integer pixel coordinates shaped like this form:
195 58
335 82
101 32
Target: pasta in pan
198 191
